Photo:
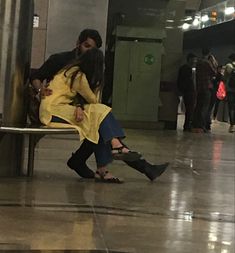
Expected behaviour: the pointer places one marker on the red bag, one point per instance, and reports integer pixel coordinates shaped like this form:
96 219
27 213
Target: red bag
221 92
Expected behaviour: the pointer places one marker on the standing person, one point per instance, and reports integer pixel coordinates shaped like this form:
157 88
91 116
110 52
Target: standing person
214 101
218 79
205 72
229 77
84 77
187 86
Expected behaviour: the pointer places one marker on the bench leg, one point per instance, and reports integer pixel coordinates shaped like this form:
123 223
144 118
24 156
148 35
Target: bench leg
31 150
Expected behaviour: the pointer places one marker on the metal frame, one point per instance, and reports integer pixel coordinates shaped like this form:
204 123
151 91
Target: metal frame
35 134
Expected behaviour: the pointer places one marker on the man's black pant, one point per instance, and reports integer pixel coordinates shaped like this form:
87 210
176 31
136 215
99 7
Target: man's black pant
201 109
189 102
87 149
213 99
231 107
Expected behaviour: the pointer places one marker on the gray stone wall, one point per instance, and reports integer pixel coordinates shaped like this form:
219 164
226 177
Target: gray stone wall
61 21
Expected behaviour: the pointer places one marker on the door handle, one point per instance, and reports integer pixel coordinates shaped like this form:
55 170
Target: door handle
130 78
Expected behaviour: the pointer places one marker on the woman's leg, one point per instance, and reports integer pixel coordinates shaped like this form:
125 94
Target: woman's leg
109 129
103 157
111 132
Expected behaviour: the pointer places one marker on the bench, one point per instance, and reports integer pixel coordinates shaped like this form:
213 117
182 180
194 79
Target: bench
35 134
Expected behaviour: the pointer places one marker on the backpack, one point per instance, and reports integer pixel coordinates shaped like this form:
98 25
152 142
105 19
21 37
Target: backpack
231 81
221 92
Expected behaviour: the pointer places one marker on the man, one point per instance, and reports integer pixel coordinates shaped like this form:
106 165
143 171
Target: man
205 72
229 77
88 39
187 87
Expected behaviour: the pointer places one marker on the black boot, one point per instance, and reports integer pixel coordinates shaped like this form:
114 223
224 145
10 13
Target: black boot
151 171
77 161
154 171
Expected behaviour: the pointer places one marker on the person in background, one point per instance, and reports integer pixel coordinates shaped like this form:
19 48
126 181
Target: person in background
214 101
205 72
187 86
229 78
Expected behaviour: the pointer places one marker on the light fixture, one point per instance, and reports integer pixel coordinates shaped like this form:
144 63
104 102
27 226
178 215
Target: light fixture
185 26
196 22
229 10
205 18
188 18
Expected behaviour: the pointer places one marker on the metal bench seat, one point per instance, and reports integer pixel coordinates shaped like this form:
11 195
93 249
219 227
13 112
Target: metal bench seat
35 134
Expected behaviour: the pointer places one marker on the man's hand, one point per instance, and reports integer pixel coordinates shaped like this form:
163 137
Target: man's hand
79 114
44 91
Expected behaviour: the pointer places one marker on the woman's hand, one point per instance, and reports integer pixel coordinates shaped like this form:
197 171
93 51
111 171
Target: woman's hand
79 114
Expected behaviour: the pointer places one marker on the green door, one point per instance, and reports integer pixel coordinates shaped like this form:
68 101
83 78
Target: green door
136 80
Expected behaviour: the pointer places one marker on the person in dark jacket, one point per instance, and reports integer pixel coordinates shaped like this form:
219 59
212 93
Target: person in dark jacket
206 69
87 39
187 87
229 78
214 101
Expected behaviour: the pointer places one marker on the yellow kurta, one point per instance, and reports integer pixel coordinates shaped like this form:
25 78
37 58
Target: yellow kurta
59 104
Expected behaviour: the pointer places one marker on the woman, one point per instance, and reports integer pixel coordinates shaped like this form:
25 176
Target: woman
97 125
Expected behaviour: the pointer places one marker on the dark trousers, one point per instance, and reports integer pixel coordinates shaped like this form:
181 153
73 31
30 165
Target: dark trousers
231 107
87 148
216 107
213 99
189 102
109 128
201 109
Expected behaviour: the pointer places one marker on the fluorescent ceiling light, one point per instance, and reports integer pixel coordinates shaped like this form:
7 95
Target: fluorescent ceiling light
229 10
205 18
196 22
185 26
188 18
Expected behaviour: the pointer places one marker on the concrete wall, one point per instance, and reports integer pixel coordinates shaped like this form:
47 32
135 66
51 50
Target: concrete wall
39 33
67 18
61 21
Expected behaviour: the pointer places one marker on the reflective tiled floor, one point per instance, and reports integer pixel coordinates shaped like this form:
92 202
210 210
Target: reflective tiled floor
189 209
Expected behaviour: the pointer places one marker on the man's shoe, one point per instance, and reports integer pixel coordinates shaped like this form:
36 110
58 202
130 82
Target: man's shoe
197 130
154 171
231 129
80 168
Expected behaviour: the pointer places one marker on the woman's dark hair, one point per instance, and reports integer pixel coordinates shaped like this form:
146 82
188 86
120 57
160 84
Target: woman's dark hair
92 34
190 56
91 64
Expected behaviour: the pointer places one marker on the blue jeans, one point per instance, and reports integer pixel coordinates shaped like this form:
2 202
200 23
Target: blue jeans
109 129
